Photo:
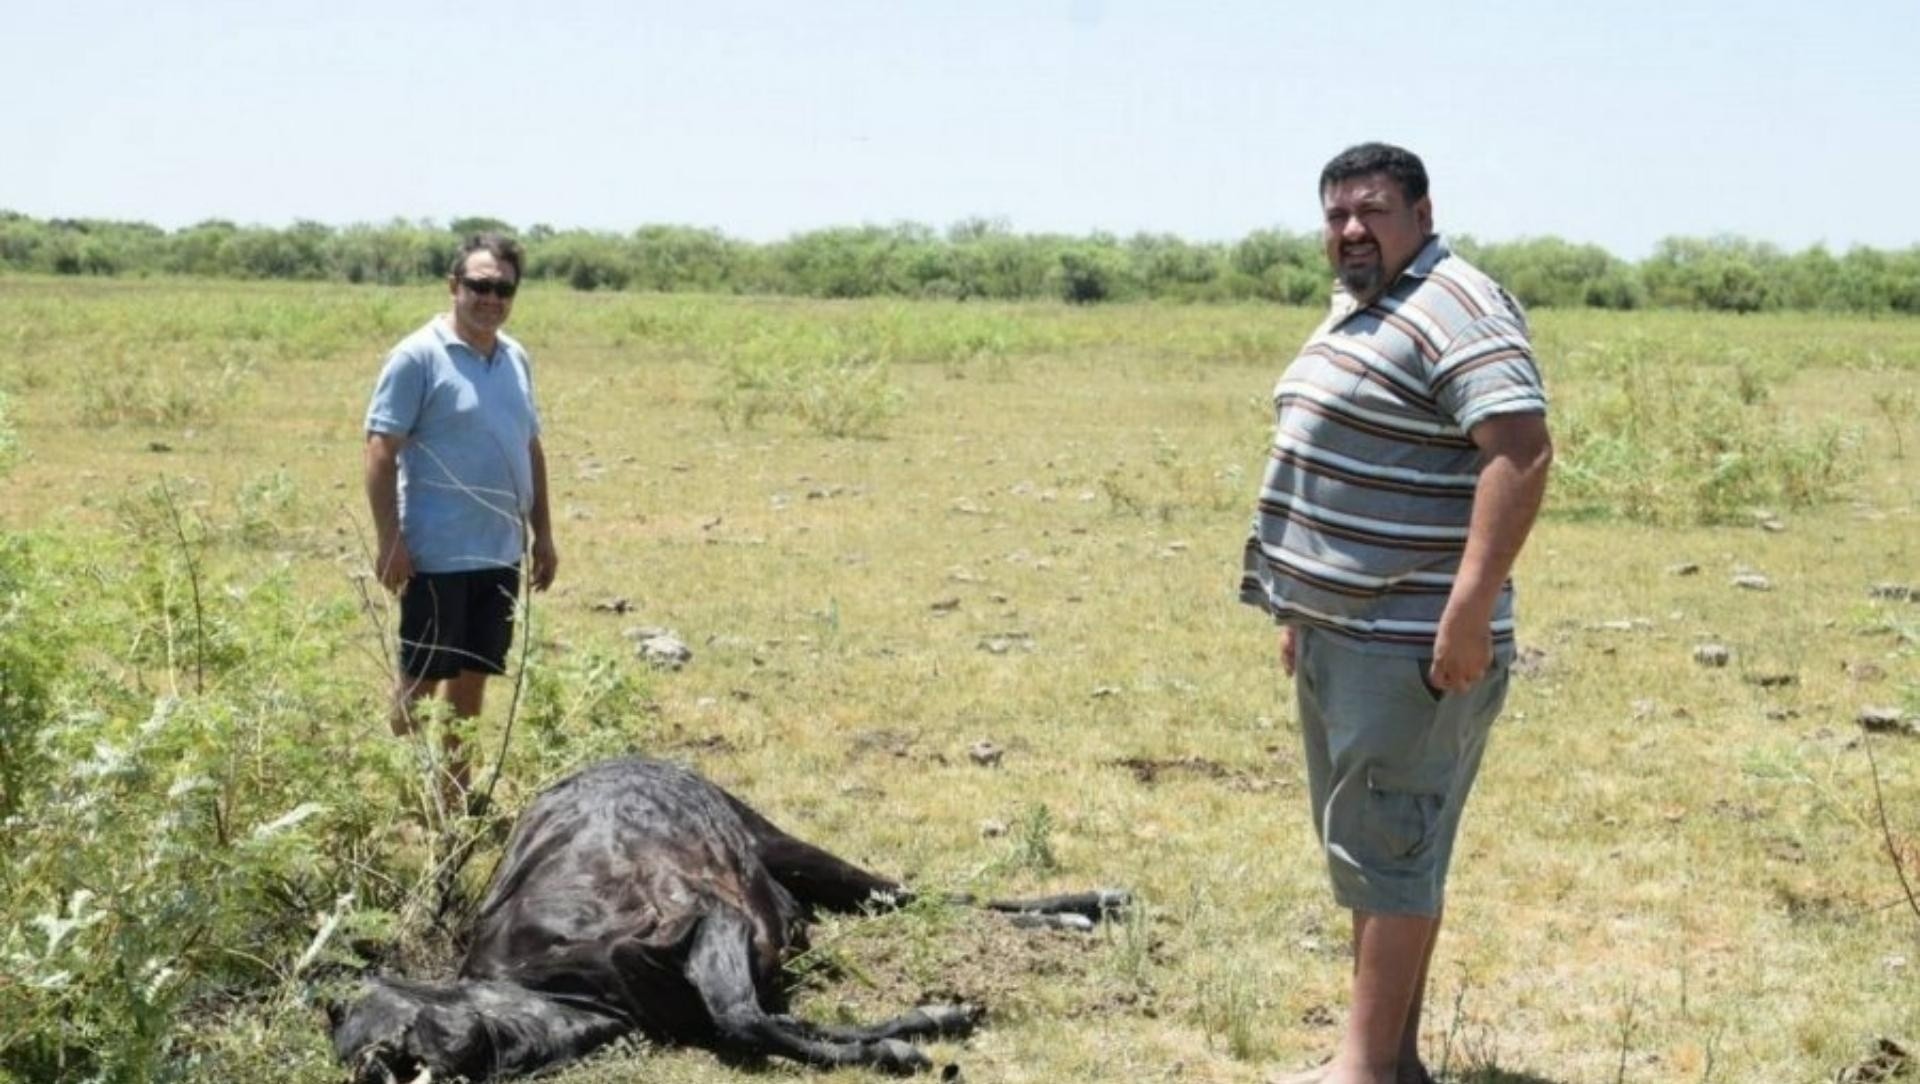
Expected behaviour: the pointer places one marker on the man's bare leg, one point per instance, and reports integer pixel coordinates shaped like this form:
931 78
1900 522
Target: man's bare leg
1412 1069
1390 954
466 693
1382 1040
408 691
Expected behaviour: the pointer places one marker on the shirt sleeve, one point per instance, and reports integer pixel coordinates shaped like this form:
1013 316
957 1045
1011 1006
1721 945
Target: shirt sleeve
1488 369
526 374
397 395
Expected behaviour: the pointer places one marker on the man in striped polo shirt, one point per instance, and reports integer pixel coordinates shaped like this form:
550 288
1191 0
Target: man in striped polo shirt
1409 460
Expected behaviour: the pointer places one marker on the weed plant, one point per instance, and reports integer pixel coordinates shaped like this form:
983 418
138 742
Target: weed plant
816 382
1659 438
9 437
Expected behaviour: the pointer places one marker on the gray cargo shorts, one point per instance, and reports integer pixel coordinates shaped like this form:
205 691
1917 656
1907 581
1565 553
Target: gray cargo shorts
1389 766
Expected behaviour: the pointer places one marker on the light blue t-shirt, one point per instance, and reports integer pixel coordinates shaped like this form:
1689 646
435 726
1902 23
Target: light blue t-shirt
466 471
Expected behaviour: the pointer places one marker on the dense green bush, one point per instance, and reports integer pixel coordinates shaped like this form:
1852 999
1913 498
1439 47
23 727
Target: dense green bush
976 258
1549 272
184 794
203 815
1094 272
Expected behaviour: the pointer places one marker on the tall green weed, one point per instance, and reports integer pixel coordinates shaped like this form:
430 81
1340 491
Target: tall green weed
9 437
33 653
1658 438
810 377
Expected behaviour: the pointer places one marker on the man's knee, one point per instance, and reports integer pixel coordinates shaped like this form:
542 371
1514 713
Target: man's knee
408 692
467 692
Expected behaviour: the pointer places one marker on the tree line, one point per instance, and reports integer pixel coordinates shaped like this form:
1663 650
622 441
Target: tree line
976 258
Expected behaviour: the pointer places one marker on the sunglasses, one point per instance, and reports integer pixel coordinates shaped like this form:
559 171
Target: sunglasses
489 287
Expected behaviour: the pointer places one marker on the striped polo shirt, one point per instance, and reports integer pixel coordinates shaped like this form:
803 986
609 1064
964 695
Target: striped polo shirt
1369 489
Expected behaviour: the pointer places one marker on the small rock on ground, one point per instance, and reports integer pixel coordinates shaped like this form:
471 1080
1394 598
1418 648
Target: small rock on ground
1712 655
664 650
1883 720
1006 642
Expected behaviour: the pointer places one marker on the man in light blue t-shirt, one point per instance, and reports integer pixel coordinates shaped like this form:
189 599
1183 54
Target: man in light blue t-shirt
458 486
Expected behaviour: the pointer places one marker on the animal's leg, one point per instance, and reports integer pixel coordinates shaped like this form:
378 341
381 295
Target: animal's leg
814 877
1081 909
925 1022
720 968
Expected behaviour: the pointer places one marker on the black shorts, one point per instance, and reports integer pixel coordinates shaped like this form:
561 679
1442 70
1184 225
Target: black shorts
454 621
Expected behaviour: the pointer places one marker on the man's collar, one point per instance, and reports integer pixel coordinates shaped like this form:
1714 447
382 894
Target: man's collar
1423 262
1422 265
1428 257
449 333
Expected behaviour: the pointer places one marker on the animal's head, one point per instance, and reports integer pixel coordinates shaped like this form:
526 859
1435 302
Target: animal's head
402 1032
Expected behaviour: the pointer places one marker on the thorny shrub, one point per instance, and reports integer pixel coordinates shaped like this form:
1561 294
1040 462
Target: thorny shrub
167 849
203 816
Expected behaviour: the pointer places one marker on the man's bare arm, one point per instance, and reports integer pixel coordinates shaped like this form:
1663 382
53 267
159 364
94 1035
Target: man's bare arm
1516 453
546 558
392 564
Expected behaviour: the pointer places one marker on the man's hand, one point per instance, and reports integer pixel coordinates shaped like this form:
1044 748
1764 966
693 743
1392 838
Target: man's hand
546 562
1462 651
1289 649
393 564
1515 453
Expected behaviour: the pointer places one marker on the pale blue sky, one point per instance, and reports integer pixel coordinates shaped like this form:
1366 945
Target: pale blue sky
1616 122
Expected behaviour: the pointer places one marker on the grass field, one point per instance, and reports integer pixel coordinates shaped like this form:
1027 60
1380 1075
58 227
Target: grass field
890 531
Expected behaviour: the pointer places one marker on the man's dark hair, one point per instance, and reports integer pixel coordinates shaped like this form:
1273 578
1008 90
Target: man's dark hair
1367 159
503 248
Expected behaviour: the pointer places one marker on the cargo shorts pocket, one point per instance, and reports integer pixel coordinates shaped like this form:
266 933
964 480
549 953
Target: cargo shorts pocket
1399 825
1424 668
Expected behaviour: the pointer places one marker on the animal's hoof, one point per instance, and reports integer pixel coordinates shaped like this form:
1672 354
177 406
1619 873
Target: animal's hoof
1071 920
384 1065
894 1056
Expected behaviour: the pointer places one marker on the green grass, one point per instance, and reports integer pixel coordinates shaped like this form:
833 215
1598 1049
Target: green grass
1666 867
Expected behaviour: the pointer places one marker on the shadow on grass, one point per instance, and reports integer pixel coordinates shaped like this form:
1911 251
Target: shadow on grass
1497 1076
